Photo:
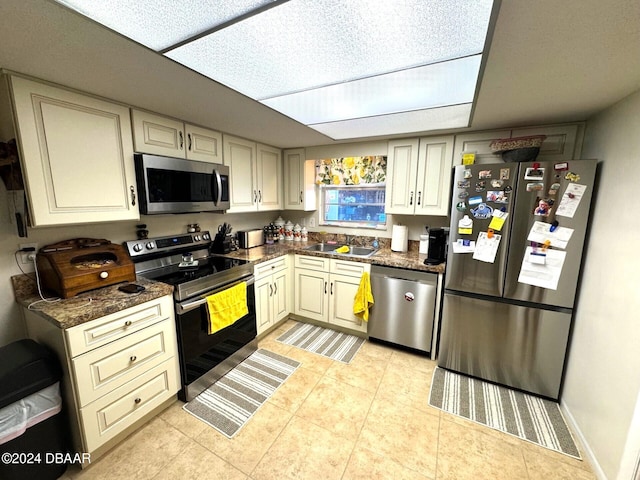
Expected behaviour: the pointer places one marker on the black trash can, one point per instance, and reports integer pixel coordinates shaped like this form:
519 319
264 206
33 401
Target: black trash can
33 428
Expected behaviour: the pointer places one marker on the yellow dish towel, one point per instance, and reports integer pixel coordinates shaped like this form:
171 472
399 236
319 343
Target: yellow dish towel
363 299
227 306
342 249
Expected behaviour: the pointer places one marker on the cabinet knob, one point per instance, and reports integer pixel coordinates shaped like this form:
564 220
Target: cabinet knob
127 323
133 358
104 274
419 197
411 198
137 400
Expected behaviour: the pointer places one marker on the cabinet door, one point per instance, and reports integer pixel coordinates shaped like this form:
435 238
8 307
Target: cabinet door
157 134
402 165
560 145
342 291
299 184
478 143
203 144
434 176
311 290
76 154
264 313
240 156
280 295
269 174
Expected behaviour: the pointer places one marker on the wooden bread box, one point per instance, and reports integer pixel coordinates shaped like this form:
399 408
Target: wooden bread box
81 264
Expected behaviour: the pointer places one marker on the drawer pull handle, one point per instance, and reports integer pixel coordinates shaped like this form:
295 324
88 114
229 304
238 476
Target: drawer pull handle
137 400
104 274
127 323
133 358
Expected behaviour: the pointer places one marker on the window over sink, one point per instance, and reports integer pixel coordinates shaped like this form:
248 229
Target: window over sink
352 191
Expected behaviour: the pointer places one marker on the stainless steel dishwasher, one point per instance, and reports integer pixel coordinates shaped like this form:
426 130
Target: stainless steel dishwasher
404 306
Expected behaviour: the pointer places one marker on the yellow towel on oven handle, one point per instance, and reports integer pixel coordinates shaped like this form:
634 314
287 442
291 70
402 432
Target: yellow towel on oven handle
226 307
364 298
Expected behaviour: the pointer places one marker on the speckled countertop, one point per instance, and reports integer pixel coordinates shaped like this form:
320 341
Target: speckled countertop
85 306
94 304
384 257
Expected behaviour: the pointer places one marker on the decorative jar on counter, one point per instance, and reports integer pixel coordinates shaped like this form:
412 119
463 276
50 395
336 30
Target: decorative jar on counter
288 231
296 233
304 235
279 223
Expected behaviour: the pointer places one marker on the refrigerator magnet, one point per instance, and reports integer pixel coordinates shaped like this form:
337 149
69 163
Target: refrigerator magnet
480 186
474 200
497 196
464 184
463 194
553 189
561 166
468 173
543 208
496 183
484 174
538 258
504 173
465 226
461 206
482 211
532 173
572 177
535 187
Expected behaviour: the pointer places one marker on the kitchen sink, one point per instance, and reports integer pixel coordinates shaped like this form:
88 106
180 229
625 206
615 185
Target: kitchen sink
321 247
354 251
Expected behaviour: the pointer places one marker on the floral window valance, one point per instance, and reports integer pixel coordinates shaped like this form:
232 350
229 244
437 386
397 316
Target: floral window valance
351 170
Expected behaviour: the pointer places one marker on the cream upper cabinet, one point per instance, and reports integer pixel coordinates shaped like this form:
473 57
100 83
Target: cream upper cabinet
255 175
76 153
563 143
160 135
419 175
299 185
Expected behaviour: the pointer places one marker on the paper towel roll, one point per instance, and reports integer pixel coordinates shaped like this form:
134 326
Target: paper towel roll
399 238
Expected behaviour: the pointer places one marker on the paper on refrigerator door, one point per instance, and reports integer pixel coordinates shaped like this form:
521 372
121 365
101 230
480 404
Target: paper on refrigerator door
544 275
486 248
570 200
541 232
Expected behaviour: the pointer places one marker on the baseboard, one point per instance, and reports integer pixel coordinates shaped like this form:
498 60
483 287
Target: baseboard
585 449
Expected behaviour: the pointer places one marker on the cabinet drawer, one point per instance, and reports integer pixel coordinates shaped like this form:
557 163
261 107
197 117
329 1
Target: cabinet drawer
271 266
113 413
93 334
313 263
343 267
102 370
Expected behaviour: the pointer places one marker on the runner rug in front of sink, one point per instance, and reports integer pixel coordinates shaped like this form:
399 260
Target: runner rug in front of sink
528 417
229 403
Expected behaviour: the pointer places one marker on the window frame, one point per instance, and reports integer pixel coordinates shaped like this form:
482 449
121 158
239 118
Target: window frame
377 225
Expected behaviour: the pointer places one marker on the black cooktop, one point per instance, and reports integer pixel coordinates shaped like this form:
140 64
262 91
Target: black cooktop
175 275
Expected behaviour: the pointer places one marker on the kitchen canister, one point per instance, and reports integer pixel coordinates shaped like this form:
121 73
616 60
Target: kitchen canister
304 234
399 238
296 233
279 223
288 231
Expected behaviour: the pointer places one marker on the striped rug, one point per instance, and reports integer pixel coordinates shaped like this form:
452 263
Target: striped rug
323 341
525 416
230 402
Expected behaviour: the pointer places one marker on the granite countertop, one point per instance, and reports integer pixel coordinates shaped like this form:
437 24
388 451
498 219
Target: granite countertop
85 306
384 257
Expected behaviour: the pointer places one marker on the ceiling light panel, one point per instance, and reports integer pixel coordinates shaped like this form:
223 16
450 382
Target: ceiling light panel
305 44
159 24
454 116
440 84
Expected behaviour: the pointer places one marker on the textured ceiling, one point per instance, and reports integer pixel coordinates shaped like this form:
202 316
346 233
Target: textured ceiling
549 62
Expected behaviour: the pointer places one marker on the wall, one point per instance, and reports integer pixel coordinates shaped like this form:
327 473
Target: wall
602 382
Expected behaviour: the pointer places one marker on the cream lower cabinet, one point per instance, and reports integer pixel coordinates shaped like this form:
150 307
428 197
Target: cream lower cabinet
325 289
160 135
419 176
118 370
76 153
272 291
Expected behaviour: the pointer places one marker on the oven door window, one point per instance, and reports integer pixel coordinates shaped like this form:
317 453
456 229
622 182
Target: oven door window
200 352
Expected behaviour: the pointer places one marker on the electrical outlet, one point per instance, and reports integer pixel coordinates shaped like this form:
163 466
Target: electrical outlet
312 221
24 256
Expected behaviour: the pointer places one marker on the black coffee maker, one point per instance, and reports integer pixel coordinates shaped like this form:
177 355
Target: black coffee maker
437 246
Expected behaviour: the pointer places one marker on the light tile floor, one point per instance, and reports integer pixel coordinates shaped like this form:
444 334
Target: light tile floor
366 420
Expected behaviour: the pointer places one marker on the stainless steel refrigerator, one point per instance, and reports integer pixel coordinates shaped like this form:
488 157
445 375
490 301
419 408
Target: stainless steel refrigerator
516 242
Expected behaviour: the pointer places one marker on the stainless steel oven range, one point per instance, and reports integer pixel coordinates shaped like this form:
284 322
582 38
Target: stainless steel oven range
185 262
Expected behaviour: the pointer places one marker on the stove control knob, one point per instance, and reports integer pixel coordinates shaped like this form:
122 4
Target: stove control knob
196 238
150 246
104 274
206 237
137 247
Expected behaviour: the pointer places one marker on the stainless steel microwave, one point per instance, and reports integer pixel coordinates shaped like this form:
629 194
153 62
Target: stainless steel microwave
176 185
